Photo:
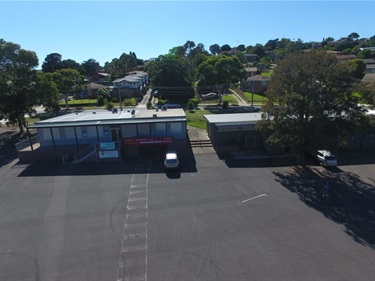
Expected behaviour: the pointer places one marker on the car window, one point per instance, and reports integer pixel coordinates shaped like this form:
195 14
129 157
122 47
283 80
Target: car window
330 158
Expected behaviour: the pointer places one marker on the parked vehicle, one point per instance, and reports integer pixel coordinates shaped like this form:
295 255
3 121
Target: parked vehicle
326 158
171 161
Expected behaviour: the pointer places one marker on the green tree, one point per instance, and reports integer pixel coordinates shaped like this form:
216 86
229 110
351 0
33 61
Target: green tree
220 70
225 48
215 49
17 82
367 92
357 68
122 65
241 57
258 49
177 51
353 35
47 91
265 61
271 44
69 81
364 54
310 103
241 48
72 64
52 62
189 46
171 71
90 67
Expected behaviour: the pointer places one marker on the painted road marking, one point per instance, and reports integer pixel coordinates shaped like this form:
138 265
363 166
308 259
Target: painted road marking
133 253
244 201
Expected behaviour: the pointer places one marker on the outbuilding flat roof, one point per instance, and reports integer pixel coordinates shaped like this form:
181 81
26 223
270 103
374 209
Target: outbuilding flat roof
104 117
232 118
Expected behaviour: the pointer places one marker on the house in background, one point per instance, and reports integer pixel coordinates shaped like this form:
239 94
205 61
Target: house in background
369 78
92 89
101 78
132 85
251 57
251 71
370 68
256 84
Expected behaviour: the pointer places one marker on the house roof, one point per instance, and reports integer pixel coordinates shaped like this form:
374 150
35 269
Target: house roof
368 61
104 74
369 78
251 69
251 55
346 57
104 117
258 78
95 86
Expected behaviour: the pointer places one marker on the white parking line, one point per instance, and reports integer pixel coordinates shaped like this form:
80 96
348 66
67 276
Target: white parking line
244 201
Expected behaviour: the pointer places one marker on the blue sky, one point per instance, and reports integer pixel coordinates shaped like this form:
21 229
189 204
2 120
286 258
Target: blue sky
103 30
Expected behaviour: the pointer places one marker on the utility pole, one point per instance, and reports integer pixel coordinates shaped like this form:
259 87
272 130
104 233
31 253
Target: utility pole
119 97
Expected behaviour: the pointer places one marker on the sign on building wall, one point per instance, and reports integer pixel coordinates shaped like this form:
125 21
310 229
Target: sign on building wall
108 154
146 141
107 145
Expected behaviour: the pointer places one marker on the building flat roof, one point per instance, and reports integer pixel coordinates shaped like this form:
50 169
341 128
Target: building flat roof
233 118
105 117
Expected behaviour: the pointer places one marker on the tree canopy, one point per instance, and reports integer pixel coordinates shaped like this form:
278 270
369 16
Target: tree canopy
17 78
68 82
217 70
91 66
310 103
170 71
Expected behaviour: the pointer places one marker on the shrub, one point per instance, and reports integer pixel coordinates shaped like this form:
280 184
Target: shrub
114 99
190 105
109 105
225 104
100 100
130 102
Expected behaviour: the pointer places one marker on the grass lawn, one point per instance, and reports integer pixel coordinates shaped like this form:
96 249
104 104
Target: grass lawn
229 99
257 98
195 118
83 102
267 74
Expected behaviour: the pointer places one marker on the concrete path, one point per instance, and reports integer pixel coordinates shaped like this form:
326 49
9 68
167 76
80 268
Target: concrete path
241 101
143 103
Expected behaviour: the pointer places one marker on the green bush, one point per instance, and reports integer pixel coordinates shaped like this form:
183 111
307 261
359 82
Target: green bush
109 105
225 104
130 102
190 105
100 100
114 99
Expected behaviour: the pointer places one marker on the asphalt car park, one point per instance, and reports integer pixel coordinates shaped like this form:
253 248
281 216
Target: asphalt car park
213 219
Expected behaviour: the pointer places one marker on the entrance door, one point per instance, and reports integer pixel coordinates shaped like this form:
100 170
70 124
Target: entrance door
115 134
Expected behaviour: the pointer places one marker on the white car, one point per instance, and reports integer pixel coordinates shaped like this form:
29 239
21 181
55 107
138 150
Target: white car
326 158
171 161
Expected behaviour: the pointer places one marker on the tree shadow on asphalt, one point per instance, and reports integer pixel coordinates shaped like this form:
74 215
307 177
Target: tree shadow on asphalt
8 139
350 201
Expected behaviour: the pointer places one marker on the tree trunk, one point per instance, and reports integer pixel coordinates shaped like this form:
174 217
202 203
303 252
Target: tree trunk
20 123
